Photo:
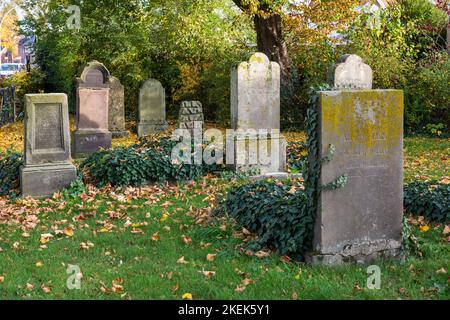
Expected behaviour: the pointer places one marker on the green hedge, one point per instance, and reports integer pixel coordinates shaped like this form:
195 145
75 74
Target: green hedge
275 211
9 172
428 199
148 161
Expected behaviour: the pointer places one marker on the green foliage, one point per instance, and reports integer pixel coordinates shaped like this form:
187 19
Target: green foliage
26 82
75 189
428 94
137 165
410 243
275 212
428 199
296 156
10 164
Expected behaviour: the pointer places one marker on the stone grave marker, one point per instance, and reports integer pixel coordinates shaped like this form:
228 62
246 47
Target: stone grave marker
255 116
191 116
152 108
116 112
92 127
361 221
351 73
47 161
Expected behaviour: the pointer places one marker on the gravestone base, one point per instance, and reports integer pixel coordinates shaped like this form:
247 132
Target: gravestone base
120 134
42 181
241 151
276 176
86 142
362 253
149 128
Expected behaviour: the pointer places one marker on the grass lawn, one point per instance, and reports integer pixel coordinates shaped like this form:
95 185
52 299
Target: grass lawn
160 242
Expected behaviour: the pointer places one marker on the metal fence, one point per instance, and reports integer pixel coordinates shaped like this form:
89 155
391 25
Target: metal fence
8 112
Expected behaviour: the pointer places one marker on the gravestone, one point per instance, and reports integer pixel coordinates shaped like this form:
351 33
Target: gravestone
47 162
351 73
361 221
255 116
152 108
116 112
191 116
92 127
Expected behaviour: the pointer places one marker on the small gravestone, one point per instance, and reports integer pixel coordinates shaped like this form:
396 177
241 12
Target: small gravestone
255 109
191 116
92 127
361 221
116 112
152 108
47 162
351 73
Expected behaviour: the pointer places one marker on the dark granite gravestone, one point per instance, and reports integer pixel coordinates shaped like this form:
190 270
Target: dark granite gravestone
152 108
92 133
47 162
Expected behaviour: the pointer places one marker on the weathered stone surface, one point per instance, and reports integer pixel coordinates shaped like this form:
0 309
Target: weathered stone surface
92 120
116 112
363 220
152 108
191 116
47 167
351 73
255 106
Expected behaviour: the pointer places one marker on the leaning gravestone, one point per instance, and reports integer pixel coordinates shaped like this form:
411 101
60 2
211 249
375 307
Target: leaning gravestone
47 163
92 131
152 108
361 221
255 109
116 112
191 116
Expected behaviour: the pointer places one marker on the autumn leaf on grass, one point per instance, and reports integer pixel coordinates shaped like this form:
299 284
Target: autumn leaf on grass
164 217
46 289
208 274
69 231
446 230
86 245
210 257
39 264
45 238
441 271
2 279
424 228
137 231
187 296
155 237
117 285
182 261
186 240
29 286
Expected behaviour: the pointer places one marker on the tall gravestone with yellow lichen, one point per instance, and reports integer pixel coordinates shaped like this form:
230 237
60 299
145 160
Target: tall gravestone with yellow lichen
361 221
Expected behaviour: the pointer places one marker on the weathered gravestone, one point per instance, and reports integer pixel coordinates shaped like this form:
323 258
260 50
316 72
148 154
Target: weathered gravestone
47 167
152 108
92 131
255 117
116 112
191 116
361 221
351 73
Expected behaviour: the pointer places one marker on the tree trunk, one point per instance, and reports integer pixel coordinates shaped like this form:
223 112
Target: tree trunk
270 39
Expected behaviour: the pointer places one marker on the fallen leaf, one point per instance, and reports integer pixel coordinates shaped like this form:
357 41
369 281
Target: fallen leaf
210 257
424 228
29 286
117 286
164 217
2 279
45 238
262 254
442 271
187 296
182 261
68 232
186 240
39 264
155 237
208 274
446 230
46 289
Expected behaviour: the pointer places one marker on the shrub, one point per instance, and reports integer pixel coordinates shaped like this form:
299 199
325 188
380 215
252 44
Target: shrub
9 172
296 156
148 161
275 212
428 199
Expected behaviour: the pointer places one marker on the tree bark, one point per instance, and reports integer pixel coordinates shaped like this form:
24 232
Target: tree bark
270 39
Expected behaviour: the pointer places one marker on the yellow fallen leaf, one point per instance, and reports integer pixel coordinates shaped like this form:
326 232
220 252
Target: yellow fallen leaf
39 264
2 279
164 217
68 232
29 286
424 228
45 238
187 296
